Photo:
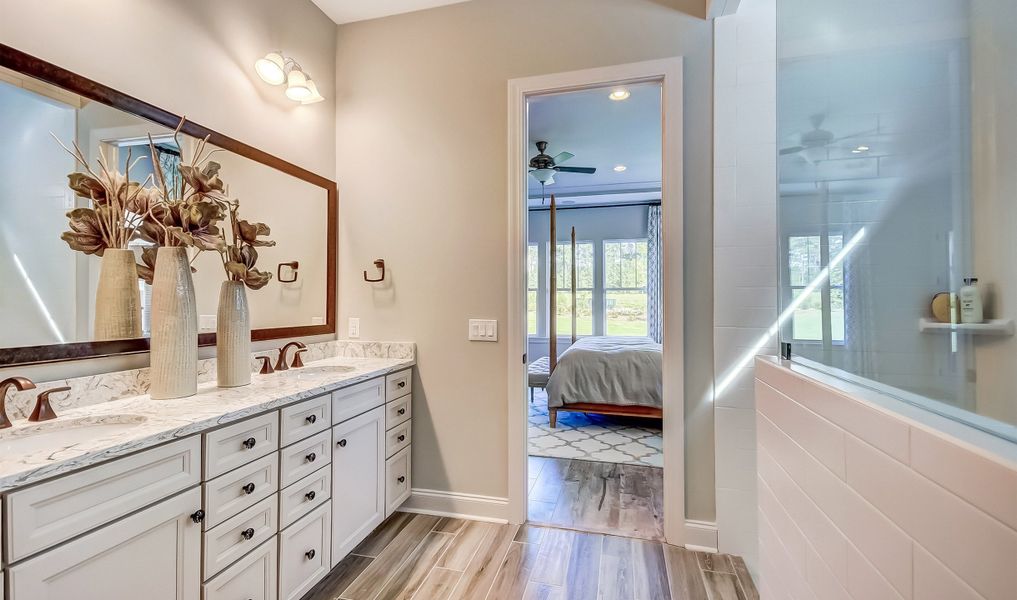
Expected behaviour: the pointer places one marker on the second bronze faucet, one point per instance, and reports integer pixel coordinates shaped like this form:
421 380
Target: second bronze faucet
43 410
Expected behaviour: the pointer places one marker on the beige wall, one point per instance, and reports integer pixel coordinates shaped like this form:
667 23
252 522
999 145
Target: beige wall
421 148
191 57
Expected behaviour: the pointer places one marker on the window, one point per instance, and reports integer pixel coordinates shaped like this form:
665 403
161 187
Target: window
625 287
532 287
820 317
584 288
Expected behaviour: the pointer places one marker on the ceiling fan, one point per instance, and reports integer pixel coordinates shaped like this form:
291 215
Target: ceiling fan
813 144
544 167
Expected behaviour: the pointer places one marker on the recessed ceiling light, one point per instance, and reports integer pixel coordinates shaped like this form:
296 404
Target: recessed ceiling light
619 94
620 168
860 149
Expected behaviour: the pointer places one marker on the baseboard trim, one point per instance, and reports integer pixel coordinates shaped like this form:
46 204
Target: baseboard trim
700 535
462 506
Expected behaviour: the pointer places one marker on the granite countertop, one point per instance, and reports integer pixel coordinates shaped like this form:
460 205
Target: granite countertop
88 435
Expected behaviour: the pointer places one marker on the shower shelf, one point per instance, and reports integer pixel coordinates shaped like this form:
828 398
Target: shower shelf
999 327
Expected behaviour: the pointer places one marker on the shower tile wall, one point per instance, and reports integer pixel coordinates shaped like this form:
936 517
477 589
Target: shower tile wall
745 254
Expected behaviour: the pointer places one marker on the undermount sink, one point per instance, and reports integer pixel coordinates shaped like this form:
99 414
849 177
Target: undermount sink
320 370
56 435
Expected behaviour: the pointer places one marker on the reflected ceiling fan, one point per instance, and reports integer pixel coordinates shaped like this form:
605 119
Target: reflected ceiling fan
813 144
544 167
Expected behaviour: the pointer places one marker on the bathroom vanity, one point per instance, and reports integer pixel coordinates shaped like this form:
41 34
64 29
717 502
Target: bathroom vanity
246 493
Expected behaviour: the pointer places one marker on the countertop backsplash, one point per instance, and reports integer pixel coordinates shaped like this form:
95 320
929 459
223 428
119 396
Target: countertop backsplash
106 387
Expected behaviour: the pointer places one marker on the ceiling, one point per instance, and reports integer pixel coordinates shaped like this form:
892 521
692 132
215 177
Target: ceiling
602 133
348 11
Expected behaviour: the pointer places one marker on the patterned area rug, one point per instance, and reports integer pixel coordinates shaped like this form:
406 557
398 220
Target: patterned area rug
594 437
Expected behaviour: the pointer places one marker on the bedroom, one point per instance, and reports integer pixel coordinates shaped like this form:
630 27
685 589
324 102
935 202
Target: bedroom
595 413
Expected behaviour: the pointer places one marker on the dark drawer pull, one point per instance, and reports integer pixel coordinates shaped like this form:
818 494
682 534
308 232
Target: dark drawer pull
401 384
247 533
401 438
402 479
311 457
248 489
342 443
309 495
198 516
312 418
401 411
249 443
310 554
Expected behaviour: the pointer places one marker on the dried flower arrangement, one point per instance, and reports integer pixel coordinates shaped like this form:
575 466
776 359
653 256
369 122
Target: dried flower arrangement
239 255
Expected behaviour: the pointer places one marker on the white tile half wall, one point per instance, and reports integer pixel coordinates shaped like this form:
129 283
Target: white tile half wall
859 502
745 253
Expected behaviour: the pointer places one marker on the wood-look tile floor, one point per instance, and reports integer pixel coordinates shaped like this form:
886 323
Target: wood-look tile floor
417 557
598 497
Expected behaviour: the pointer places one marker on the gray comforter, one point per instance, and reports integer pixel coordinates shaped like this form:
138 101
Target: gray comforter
624 371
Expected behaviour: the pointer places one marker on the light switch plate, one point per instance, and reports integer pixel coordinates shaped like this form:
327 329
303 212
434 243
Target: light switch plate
207 322
483 330
354 327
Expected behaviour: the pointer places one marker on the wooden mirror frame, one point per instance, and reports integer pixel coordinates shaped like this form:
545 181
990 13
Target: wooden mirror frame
39 69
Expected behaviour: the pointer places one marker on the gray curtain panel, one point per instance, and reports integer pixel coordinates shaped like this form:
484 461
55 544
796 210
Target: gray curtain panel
655 323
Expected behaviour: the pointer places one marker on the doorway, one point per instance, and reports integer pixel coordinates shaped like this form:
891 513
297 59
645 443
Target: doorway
597 453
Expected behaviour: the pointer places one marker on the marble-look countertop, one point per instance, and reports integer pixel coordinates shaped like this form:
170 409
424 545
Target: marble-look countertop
87 435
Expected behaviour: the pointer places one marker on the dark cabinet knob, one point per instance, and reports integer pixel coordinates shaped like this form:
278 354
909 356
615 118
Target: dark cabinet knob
247 533
402 479
401 438
311 457
249 443
401 384
198 516
342 443
401 411
312 418
310 554
248 489
309 495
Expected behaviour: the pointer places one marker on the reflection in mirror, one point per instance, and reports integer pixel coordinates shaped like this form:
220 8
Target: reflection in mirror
49 291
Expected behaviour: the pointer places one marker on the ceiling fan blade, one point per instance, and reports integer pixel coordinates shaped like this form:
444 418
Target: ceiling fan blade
791 150
587 170
562 157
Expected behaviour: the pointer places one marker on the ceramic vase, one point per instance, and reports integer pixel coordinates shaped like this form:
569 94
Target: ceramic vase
233 336
117 300
174 353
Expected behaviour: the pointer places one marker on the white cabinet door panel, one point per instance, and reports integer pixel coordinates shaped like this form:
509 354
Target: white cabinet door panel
398 384
304 457
154 554
304 495
228 542
304 553
251 578
358 480
304 419
240 443
357 399
398 411
398 485
241 489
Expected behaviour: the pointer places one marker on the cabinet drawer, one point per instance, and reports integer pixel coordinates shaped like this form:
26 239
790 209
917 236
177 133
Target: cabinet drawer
240 443
304 419
397 438
228 542
303 458
241 489
154 554
398 411
398 384
397 484
358 399
52 512
304 550
304 495
253 578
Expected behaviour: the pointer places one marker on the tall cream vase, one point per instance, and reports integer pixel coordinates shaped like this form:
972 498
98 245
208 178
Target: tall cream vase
117 299
233 336
174 353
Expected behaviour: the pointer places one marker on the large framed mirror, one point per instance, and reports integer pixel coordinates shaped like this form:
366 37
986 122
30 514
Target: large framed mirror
48 290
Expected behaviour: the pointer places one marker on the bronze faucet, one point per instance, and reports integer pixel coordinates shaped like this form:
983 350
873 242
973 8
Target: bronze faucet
22 383
43 411
280 364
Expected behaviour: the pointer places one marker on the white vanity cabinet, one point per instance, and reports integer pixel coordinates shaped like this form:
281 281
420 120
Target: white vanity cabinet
153 554
358 480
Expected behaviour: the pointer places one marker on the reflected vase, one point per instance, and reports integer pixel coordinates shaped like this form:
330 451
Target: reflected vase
174 345
233 336
117 299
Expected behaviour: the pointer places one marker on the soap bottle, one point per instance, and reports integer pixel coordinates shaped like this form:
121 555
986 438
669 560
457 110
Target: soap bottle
970 302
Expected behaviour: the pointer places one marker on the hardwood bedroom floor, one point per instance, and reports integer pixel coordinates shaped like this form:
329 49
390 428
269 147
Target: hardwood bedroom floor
616 499
417 557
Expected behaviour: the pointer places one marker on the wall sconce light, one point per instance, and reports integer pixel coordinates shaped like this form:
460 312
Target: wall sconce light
276 69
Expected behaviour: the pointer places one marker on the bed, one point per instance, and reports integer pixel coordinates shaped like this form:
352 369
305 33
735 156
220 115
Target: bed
619 376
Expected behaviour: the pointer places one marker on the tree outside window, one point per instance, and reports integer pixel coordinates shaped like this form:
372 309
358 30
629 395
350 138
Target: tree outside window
584 288
625 287
820 317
